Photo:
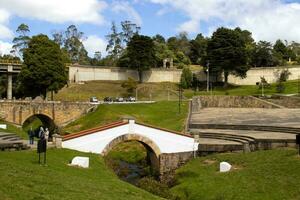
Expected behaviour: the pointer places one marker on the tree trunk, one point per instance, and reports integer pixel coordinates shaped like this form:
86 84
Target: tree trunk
225 79
140 76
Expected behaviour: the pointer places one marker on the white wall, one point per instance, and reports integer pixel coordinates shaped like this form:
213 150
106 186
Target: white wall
79 73
167 142
254 74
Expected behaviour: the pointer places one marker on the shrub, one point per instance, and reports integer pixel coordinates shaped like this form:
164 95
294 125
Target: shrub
186 78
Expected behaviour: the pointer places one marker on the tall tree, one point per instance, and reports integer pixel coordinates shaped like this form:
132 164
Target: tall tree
141 53
74 46
129 29
43 68
114 46
198 49
21 41
261 55
226 52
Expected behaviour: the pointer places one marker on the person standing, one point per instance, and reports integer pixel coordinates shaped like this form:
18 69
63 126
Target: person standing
46 134
41 133
31 136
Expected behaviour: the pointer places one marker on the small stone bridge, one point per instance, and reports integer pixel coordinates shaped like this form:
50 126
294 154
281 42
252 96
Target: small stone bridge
49 112
166 150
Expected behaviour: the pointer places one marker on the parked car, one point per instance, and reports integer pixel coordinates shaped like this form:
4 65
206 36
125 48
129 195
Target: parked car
94 100
119 99
108 99
131 99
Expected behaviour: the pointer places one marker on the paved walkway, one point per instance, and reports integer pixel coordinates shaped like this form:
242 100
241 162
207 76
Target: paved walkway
248 116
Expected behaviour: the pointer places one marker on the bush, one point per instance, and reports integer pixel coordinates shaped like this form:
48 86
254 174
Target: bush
130 85
155 187
186 78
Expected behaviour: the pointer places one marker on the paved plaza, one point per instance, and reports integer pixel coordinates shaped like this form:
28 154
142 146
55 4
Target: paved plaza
248 116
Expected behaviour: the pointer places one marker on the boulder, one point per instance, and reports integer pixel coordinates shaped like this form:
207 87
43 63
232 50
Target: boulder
80 162
225 167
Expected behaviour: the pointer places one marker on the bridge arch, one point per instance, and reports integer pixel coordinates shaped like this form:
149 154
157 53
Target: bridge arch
46 120
132 137
152 149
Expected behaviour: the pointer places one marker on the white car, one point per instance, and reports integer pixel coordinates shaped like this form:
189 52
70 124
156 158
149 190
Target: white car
94 100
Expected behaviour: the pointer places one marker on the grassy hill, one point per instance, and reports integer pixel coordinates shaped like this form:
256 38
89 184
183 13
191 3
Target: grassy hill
21 177
159 91
101 89
163 114
258 175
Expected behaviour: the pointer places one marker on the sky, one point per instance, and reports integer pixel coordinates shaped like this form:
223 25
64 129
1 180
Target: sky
266 19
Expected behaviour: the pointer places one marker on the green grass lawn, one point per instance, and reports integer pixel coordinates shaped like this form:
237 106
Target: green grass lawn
268 175
163 114
21 177
291 87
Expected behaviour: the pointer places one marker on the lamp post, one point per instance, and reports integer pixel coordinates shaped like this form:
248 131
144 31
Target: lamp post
207 79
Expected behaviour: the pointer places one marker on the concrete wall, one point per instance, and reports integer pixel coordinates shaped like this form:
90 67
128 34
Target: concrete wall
254 74
78 73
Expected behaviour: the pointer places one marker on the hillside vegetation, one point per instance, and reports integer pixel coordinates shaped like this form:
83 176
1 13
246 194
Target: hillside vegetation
163 114
159 91
21 177
258 175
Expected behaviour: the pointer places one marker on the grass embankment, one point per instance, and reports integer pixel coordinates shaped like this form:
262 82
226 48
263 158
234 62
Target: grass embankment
259 175
159 91
163 114
291 87
21 177
101 89
21 131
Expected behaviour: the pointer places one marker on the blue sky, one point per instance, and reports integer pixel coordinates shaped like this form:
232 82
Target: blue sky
266 19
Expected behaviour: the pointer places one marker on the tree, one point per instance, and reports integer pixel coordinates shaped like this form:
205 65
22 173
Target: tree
21 41
198 49
159 39
129 29
43 68
261 55
226 52
141 53
186 78
130 85
74 46
114 46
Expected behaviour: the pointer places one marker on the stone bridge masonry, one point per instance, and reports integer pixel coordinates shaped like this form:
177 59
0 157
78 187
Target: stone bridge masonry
60 113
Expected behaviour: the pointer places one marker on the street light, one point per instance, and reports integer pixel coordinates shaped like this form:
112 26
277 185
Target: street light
207 79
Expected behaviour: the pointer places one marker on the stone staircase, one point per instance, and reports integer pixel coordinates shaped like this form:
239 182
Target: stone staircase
10 141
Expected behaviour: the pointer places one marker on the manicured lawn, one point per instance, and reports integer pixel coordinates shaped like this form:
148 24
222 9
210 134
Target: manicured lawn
291 87
21 177
259 175
163 114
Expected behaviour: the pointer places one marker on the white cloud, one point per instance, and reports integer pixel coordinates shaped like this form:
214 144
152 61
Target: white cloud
5 32
57 11
5 47
125 7
266 19
94 43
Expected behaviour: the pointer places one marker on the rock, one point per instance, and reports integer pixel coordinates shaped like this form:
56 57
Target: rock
3 126
225 167
81 162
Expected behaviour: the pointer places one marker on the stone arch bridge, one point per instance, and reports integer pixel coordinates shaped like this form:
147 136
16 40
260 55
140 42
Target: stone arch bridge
166 150
50 112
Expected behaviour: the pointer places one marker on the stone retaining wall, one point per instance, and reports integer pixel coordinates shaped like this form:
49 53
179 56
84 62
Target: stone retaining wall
230 102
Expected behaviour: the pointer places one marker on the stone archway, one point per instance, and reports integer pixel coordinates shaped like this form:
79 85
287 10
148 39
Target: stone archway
46 121
153 151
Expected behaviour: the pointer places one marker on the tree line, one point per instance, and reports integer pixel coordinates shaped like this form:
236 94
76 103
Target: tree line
227 51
